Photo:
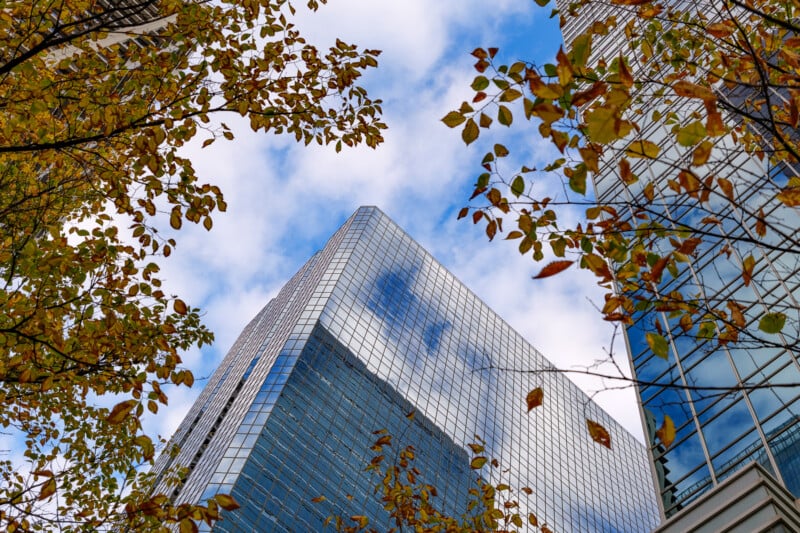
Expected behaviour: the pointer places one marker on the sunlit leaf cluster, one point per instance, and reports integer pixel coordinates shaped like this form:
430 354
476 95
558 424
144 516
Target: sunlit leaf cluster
97 101
412 503
654 127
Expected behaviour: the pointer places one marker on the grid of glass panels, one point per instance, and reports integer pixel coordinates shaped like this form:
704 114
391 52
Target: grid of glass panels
716 433
374 327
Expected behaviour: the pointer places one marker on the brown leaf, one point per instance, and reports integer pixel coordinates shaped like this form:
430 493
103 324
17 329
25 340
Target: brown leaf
553 268
179 306
692 90
48 489
120 412
534 398
598 433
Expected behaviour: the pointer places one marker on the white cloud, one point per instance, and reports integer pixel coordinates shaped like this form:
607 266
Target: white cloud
285 200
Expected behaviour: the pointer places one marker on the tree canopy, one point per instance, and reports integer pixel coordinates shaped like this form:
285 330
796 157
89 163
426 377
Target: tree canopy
687 130
98 99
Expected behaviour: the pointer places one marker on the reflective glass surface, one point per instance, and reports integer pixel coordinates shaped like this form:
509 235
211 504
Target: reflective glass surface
369 330
718 432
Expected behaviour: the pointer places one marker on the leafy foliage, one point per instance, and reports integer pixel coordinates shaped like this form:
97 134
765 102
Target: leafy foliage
411 503
698 116
98 98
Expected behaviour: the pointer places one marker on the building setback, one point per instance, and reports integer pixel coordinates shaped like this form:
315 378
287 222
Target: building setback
369 329
719 436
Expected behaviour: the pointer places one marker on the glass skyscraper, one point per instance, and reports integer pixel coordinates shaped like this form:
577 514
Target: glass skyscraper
371 328
718 433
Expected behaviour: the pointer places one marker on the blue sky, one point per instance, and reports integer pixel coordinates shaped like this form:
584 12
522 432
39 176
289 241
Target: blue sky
285 200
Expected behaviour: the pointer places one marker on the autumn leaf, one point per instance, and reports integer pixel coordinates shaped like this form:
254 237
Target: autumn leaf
643 149
470 132
658 344
691 134
598 433
179 306
666 433
534 398
121 411
553 268
48 489
748 264
477 462
692 90
226 502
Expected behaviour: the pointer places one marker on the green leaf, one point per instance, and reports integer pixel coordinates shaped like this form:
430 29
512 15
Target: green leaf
504 116
477 463
772 322
691 134
453 119
577 181
658 344
581 49
470 132
518 186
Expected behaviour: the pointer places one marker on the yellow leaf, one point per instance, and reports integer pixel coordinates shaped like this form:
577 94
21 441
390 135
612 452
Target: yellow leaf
187 525
535 397
691 134
643 149
48 489
477 462
226 502
701 153
789 196
658 344
692 90
563 68
748 264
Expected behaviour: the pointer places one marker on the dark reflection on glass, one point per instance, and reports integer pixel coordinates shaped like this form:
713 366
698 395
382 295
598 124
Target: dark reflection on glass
351 393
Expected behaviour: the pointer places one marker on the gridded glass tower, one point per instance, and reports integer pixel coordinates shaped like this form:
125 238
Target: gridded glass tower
371 328
718 434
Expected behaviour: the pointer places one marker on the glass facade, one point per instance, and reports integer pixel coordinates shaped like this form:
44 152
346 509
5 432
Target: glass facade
371 328
717 433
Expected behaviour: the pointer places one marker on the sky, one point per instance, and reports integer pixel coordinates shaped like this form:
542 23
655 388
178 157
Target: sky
285 200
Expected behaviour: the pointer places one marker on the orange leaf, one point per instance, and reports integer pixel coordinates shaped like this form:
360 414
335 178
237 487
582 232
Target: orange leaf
553 268
666 433
534 398
598 433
